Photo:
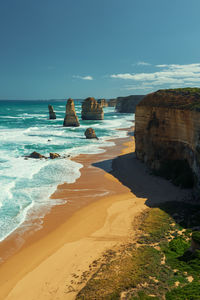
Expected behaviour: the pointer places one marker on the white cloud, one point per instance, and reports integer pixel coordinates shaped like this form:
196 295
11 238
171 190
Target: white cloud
83 77
173 74
143 63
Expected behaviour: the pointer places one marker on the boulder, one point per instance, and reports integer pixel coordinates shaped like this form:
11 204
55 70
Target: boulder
54 155
52 114
91 110
71 119
103 102
90 134
36 155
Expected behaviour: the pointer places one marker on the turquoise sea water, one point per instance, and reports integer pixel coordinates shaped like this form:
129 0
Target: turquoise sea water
26 185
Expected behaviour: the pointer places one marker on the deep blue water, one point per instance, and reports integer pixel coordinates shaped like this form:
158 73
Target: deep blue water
27 184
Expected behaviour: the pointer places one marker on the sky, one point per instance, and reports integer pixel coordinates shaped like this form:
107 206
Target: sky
101 48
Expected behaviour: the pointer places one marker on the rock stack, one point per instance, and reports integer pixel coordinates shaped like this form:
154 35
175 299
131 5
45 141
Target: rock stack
71 118
52 114
91 110
90 134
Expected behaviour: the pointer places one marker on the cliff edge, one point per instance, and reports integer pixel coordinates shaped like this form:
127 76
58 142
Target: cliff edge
167 134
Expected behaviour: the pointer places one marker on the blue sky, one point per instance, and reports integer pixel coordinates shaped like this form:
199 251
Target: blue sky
101 48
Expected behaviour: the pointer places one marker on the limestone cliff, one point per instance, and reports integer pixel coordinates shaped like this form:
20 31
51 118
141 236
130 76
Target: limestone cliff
167 134
128 104
71 119
91 110
52 114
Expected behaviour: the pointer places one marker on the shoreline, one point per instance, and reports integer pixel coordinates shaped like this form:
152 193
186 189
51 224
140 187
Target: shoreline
71 242
58 216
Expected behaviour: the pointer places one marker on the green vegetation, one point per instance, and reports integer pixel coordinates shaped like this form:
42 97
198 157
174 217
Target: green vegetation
196 237
181 98
158 265
184 91
178 171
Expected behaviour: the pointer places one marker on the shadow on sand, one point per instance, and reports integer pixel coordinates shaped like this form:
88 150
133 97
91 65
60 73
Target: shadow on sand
158 191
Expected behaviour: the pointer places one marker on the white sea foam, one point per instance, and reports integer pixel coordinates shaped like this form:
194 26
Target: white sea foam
26 185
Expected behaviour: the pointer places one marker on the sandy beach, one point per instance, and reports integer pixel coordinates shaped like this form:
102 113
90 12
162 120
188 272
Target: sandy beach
55 262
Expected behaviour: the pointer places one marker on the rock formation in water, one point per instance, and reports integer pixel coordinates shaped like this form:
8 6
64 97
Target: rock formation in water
91 110
54 155
167 134
90 134
52 114
128 104
103 102
71 119
36 155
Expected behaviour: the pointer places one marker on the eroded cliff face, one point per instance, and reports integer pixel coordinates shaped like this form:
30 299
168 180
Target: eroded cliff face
128 104
167 128
91 110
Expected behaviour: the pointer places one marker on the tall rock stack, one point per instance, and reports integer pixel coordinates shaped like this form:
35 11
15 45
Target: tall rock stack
71 119
91 110
52 114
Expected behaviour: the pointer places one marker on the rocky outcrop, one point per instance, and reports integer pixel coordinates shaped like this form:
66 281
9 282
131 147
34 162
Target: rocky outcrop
54 155
52 114
36 155
90 134
167 134
103 102
91 110
71 119
128 104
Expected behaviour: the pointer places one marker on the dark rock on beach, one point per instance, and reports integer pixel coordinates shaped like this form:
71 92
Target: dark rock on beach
90 134
54 155
35 155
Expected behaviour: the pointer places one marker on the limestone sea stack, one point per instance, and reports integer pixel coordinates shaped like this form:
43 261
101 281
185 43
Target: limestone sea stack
167 135
90 134
71 119
91 110
52 114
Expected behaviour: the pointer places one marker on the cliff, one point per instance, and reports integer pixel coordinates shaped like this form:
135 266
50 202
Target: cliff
91 110
112 102
128 104
52 114
167 134
71 119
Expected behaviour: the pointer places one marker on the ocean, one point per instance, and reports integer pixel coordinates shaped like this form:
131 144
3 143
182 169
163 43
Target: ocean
27 184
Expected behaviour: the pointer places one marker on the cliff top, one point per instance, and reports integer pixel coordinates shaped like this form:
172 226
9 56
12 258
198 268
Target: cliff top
182 98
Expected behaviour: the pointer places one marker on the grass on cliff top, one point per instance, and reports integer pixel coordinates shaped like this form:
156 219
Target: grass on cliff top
185 91
156 264
180 98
